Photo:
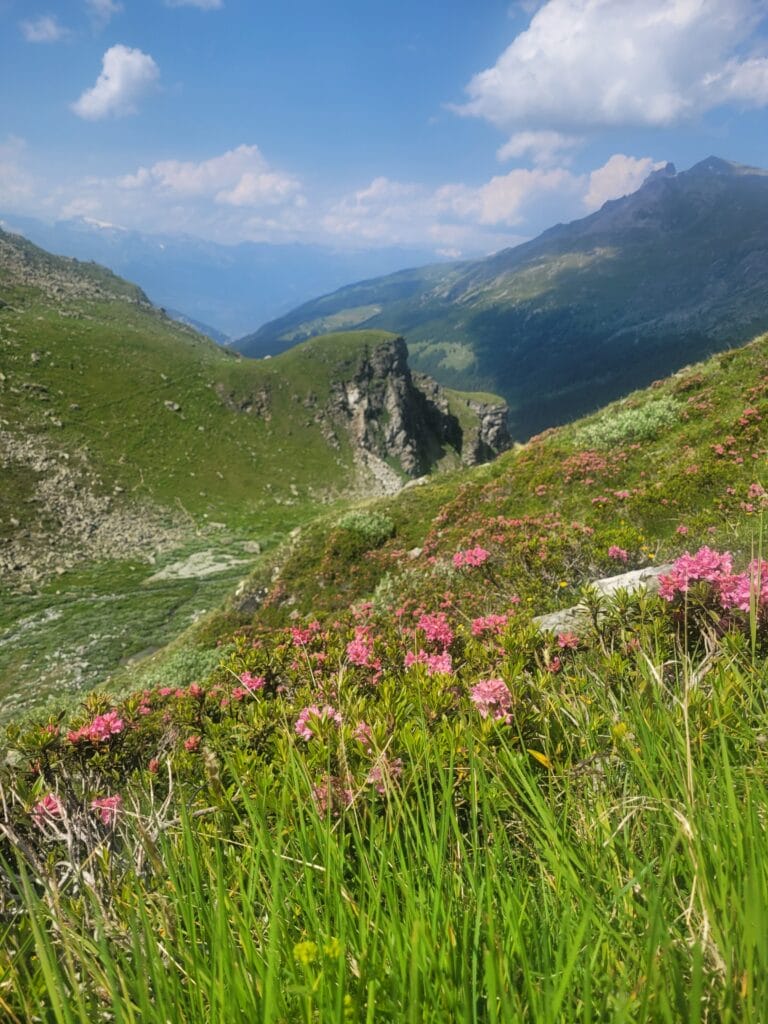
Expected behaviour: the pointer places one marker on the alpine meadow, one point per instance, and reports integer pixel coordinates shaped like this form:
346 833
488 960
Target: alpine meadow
383 517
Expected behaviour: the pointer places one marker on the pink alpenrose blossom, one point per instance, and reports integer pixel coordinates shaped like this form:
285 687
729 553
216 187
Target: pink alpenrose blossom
108 807
492 698
47 809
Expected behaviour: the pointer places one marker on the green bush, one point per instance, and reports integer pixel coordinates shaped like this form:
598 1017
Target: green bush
630 424
373 528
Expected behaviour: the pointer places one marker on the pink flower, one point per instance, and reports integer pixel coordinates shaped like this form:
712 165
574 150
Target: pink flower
706 564
252 683
324 714
439 663
331 794
108 807
364 735
471 557
191 744
154 766
101 728
619 554
384 773
301 637
48 808
492 697
746 589
568 641
489 624
436 628
360 650
436 663
682 529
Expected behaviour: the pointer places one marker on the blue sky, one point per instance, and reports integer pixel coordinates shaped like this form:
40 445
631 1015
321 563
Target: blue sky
460 127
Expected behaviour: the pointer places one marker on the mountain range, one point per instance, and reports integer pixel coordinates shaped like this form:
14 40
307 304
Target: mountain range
585 312
223 290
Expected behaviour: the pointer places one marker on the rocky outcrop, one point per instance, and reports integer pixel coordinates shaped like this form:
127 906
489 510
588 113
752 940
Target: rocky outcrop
491 436
402 424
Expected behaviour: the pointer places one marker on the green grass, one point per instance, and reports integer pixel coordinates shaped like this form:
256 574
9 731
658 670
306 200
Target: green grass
624 883
594 854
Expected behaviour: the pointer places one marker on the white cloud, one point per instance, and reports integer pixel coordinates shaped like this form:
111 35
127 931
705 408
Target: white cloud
455 217
618 177
462 218
102 11
126 76
203 5
45 29
544 147
582 64
239 196
240 177
504 199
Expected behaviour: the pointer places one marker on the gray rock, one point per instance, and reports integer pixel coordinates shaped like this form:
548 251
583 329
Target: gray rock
577 617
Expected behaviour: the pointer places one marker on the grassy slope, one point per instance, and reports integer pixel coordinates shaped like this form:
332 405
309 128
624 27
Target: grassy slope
598 855
650 489
87 367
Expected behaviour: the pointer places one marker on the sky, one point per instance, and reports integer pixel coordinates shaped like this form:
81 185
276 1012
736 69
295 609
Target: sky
458 126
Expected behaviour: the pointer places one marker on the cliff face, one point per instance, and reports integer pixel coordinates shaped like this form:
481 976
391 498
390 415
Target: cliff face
403 425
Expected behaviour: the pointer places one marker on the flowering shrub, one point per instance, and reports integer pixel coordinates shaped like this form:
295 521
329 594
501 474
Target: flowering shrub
473 557
102 728
745 592
492 698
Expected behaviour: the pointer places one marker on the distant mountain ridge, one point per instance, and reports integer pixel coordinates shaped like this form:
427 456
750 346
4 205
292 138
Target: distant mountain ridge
587 311
225 288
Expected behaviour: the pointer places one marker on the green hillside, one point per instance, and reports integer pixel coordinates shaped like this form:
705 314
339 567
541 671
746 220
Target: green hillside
587 311
144 468
374 787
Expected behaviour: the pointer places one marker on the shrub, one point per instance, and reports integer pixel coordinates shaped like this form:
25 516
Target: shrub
373 528
630 425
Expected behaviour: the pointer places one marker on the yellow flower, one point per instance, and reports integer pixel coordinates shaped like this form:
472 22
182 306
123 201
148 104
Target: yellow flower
305 952
563 583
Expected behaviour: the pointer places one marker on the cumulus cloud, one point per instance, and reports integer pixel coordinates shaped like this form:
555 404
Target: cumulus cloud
585 64
102 11
240 196
503 211
45 29
126 76
620 176
240 177
543 147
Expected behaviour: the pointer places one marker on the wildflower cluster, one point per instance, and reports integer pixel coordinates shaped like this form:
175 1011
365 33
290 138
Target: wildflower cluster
743 591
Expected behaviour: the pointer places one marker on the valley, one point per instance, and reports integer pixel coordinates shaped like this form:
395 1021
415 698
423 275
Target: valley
587 311
129 443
